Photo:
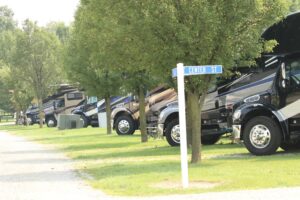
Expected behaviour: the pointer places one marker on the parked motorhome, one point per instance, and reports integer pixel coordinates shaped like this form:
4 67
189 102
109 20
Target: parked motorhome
125 117
267 111
62 102
269 117
214 117
90 109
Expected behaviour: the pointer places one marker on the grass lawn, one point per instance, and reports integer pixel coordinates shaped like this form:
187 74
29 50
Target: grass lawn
121 165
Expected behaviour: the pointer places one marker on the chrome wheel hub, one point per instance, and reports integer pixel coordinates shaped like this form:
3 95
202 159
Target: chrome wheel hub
51 123
123 126
260 136
175 134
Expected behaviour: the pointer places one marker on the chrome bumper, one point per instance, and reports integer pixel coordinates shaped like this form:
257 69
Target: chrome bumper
236 131
152 131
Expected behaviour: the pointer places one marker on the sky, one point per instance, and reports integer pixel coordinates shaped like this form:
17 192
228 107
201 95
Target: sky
42 11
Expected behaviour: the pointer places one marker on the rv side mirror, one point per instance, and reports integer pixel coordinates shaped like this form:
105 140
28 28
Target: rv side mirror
283 80
283 83
283 71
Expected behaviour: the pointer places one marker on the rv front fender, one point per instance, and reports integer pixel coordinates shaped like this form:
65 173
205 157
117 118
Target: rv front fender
164 114
118 111
247 112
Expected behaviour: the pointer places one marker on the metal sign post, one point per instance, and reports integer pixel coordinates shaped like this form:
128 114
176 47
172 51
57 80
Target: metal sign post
180 72
182 123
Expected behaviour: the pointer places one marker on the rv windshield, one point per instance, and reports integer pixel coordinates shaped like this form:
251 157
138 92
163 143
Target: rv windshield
92 100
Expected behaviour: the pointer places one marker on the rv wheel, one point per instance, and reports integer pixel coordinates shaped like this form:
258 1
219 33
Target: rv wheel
173 133
262 136
124 125
51 122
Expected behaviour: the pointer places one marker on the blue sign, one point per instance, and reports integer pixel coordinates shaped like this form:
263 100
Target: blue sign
198 70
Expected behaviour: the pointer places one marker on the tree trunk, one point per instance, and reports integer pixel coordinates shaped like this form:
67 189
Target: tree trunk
195 126
41 116
25 118
144 137
108 115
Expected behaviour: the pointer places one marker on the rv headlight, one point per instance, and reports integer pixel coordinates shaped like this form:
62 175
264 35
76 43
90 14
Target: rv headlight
237 115
252 99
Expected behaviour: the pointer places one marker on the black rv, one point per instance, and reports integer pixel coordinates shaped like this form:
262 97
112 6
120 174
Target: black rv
268 115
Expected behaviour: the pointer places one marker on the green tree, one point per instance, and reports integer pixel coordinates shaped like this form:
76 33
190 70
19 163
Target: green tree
60 30
7 28
86 62
5 103
14 93
7 43
294 5
120 46
37 61
6 19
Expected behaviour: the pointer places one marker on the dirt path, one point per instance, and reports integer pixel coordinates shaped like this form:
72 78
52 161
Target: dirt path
30 171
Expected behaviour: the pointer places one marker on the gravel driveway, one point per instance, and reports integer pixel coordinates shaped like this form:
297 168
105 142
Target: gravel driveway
30 171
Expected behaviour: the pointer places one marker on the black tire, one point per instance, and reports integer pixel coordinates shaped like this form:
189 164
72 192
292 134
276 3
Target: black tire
171 138
262 144
95 125
49 121
85 120
291 145
210 139
124 125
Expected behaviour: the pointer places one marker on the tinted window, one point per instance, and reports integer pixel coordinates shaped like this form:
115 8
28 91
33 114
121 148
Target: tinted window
92 100
74 96
293 72
60 103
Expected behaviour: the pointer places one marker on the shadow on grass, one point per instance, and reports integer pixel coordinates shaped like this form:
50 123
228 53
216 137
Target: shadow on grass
63 136
117 170
228 146
155 151
141 152
99 146
280 155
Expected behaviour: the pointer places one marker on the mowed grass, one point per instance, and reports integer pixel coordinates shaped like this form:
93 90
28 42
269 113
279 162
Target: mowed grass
121 165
